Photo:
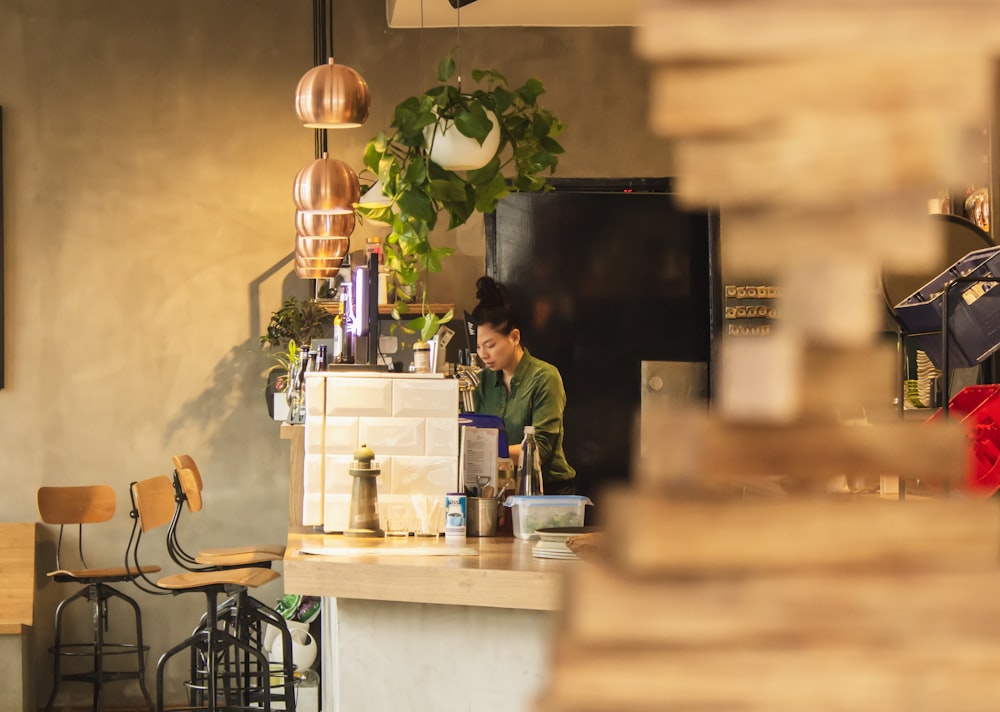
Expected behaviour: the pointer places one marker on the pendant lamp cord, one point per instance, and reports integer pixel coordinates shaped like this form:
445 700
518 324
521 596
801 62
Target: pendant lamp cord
322 51
458 45
420 66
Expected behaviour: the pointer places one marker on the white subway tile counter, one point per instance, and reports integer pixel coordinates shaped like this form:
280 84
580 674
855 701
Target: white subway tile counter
410 421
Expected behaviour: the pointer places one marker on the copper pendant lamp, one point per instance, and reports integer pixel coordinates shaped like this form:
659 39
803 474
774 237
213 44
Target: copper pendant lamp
324 225
332 96
321 248
328 96
317 268
326 186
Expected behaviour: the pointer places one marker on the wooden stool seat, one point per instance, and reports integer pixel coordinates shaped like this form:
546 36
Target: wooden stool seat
110 575
277 550
251 558
249 577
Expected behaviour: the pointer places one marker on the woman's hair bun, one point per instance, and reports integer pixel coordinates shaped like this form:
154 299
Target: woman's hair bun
494 306
488 292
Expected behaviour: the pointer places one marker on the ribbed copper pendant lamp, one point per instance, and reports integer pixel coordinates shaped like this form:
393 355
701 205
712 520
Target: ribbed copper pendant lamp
326 186
328 96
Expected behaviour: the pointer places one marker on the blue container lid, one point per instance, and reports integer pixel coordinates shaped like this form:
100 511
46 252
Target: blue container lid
548 500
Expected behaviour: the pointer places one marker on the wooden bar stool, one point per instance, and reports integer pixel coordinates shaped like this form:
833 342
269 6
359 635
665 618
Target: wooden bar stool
245 615
232 674
87 505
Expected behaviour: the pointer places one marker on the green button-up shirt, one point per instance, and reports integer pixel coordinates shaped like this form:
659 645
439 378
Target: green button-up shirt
536 397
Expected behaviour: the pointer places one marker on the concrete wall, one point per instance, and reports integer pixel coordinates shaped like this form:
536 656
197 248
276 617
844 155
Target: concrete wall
149 152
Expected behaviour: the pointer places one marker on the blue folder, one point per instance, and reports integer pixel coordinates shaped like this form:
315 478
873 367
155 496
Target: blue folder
478 420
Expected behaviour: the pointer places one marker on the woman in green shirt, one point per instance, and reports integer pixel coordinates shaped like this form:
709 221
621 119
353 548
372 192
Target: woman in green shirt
518 387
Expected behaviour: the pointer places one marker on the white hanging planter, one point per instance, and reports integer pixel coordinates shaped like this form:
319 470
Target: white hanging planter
453 150
375 196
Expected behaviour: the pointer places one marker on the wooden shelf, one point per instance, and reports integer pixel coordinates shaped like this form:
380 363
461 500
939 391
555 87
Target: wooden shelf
386 309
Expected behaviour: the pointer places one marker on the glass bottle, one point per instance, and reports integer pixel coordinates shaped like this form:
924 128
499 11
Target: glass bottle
338 334
296 393
347 353
529 471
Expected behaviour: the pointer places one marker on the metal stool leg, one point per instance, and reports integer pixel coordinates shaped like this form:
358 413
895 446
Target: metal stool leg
223 671
99 613
140 646
57 646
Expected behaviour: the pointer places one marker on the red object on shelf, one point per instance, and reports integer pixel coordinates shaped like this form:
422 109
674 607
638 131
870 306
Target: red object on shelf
978 407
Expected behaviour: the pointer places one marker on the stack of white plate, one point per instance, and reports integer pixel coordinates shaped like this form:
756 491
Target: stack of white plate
552 542
926 373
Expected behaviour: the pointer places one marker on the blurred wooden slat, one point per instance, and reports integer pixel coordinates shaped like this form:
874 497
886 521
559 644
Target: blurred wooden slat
788 677
894 231
610 608
819 382
655 534
696 99
695 448
719 29
843 380
819 161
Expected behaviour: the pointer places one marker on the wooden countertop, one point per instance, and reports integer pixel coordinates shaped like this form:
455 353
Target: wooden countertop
501 573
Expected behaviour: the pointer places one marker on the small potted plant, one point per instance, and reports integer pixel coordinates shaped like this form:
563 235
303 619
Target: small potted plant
418 189
291 328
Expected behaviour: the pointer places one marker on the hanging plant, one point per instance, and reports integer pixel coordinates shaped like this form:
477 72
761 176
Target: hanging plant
419 190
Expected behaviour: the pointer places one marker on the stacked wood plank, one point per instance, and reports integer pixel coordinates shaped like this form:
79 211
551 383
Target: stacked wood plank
793 604
727 578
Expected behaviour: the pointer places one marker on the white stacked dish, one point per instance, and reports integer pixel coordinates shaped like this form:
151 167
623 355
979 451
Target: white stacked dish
552 542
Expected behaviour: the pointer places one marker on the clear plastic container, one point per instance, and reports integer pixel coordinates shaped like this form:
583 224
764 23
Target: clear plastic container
544 512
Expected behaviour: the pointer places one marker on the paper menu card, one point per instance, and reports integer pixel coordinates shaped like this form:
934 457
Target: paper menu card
478 457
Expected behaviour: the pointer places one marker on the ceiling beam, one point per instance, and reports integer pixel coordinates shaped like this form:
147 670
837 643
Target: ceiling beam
405 14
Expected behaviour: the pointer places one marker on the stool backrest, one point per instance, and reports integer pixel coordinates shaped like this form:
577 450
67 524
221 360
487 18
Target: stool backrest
186 462
189 483
80 504
76 505
154 502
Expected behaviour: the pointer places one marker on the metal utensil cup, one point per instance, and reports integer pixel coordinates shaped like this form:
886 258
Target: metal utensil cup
482 514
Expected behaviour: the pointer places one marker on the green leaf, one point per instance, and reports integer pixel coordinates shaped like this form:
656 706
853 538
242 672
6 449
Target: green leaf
448 190
431 260
542 160
405 113
415 204
416 172
373 152
551 145
460 211
484 175
490 194
374 211
474 123
530 92
429 327
446 69
540 126
494 76
502 99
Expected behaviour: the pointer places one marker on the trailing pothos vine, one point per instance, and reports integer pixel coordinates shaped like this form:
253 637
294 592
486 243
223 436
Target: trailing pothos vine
419 190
